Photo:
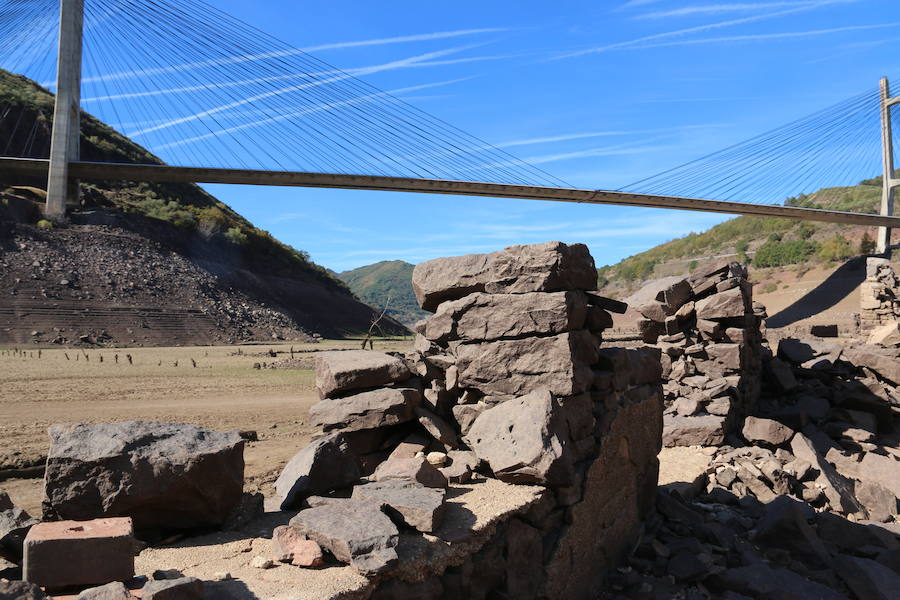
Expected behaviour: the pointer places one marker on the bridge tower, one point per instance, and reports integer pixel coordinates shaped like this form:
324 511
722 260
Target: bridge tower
66 138
889 180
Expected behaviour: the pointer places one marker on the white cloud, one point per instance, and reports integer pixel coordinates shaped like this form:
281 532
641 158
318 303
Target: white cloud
717 9
242 58
700 28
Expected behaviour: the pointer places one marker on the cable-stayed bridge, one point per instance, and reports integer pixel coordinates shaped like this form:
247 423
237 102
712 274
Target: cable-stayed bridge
218 101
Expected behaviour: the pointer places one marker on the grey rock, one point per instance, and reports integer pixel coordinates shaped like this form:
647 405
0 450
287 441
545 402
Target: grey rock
111 591
766 431
162 475
693 431
354 531
14 526
884 470
782 375
462 464
525 440
762 581
465 414
547 267
488 317
725 305
182 588
784 526
338 372
561 364
879 501
838 489
868 579
325 465
410 469
20 590
438 428
884 363
366 410
410 503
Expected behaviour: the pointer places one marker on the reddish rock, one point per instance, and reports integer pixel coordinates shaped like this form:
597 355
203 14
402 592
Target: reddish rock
338 372
766 431
70 553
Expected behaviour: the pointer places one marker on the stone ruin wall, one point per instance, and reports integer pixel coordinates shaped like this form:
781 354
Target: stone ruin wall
709 333
507 382
879 301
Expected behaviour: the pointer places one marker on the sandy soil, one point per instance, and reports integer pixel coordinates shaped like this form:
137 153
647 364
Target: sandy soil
224 391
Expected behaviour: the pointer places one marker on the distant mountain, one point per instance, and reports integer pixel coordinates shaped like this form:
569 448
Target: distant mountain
768 244
386 284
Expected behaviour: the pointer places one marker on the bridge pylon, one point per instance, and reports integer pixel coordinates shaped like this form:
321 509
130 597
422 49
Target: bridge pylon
65 144
889 179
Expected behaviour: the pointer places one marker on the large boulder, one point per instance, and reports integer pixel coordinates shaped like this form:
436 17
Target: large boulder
525 440
484 317
338 372
325 465
885 363
766 431
366 410
561 364
838 489
14 526
355 531
20 590
547 267
162 475
886 335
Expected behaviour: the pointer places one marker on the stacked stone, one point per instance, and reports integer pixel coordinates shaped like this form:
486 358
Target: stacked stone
708 330
507 382
879 300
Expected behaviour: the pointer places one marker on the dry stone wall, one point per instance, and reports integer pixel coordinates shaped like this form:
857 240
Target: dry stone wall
507 387
879 300
708 331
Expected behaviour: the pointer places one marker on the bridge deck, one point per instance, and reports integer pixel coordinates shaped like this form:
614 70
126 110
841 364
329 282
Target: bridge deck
170 174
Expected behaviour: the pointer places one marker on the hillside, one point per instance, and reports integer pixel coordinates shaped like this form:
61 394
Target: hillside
770 245
386 284
134 249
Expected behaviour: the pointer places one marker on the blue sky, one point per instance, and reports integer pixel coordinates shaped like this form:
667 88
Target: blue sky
599 94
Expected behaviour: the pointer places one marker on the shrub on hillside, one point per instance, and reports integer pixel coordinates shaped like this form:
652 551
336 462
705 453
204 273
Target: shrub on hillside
777 254
236 236
836 248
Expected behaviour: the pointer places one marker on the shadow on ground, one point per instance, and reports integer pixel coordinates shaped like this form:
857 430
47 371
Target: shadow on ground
827 294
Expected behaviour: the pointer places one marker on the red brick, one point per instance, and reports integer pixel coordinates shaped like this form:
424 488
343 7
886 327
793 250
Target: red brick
68 553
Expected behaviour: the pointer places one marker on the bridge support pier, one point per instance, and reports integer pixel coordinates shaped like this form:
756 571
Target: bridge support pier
889 181
66 139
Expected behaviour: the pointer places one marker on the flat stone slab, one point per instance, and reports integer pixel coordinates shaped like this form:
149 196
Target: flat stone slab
486 317
547 267
684 469
410 503
560 364
693 431
338 372
366 410
724 305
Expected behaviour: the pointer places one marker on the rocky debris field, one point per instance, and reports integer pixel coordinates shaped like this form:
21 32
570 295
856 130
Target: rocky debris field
802 502
97 267
108 279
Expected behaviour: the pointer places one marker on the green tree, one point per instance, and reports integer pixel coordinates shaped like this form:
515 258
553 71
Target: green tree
866 244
